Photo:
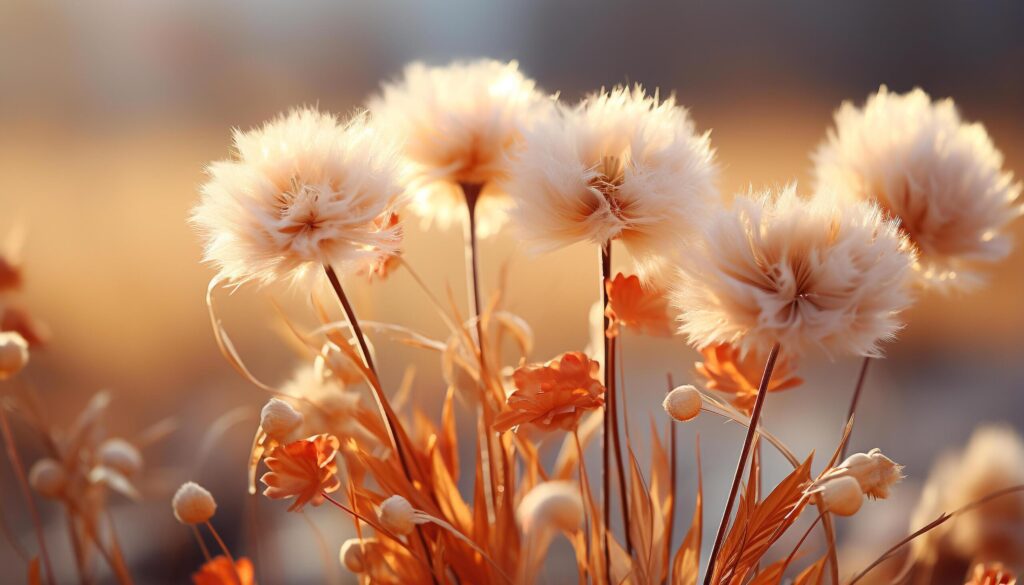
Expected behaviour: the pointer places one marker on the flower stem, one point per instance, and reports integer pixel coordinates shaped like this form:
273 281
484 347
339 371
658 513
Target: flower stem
613 399
741 465
855 401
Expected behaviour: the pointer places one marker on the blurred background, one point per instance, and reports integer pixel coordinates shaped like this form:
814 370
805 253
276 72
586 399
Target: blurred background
109 111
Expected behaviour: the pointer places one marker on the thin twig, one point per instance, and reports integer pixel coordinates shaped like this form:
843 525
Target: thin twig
224 549
755 416
620 467
605 274
855 400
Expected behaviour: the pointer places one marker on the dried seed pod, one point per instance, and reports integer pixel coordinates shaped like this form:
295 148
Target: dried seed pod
398 515
683 403
13 354
48 478
842 495
192 504
279 419
875 472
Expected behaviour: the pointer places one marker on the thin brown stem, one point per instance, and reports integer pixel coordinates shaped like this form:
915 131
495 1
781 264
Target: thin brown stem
224 549
615 355
19 472
741 464
606 269
202 545
855 400
673 472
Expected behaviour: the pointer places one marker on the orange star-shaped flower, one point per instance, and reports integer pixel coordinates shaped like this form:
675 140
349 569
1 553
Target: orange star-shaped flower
553 395
218 571
730 372
633 306
303 470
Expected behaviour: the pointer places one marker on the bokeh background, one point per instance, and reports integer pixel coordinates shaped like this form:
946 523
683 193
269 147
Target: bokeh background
109 111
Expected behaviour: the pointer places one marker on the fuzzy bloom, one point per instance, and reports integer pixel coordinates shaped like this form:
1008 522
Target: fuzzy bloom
633 306
353 553
553 395
192 504
842 495
557 504
457 125
121 456
729 371
279 419
941 177
302 191
13 354
815 272
621 165
991 574
219 571
875 472
303 470
48 478
683 403
398 515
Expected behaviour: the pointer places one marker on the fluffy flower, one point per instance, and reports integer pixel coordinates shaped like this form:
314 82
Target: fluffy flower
993 460
683 403
874 472
303 470
730 371
219 571
557 504
302 191
457 125
941 177
553 395
192 504
633 306
621 165
279 419
815 272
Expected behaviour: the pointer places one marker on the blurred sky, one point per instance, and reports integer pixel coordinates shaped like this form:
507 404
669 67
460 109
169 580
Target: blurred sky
110 109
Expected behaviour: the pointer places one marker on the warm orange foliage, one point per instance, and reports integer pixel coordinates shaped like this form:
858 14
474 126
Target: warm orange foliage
991 574
553 395
633 306
302 470
728 371
218 571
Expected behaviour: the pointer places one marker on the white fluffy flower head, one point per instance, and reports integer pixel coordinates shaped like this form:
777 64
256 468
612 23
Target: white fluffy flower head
775 267
302 190
940 176
457 125
621 165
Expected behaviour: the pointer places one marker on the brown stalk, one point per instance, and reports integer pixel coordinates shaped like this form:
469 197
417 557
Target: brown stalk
620 468
19 472
855 401
224 549
741 464
672 474
606 269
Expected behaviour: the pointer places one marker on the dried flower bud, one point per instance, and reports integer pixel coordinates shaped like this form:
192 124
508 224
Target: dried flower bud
875 472
683 403
279 419
13 354
48 478
398 515
842 495
353 554
193 504
552 503
121 456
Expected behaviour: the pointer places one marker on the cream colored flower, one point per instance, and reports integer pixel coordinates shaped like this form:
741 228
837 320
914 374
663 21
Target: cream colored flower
302 191
941 177
815 272
875 472
398 515
48 478
683 403
555 504
457 125
842 495
621 165
13 354
192 504
279 419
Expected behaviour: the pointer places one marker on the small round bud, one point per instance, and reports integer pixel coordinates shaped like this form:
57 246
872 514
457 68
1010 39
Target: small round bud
121 456
48 478
279 419
353 554
842 495
552 503
13 354
875 472
193 504
398 515
683 403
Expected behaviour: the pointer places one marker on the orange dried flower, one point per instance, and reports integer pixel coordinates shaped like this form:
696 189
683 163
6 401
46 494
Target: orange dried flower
633 306
728 371
218 571
303 469
991 574
553 395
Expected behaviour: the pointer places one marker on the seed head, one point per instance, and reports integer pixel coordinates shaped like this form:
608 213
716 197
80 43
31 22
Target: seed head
192 504
398 515
48 478
279 419
13 354
683 403
842 495
121 456
553 503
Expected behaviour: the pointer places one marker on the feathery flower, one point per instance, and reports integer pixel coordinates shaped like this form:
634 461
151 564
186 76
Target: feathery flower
557 504
729 371
621 165
775 267
303 470
636 307
457 125
13 354
874 472
941 177
302 191
683 403
219 571
553 395
192 504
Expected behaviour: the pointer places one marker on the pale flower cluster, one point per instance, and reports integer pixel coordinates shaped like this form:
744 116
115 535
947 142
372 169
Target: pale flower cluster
941 177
